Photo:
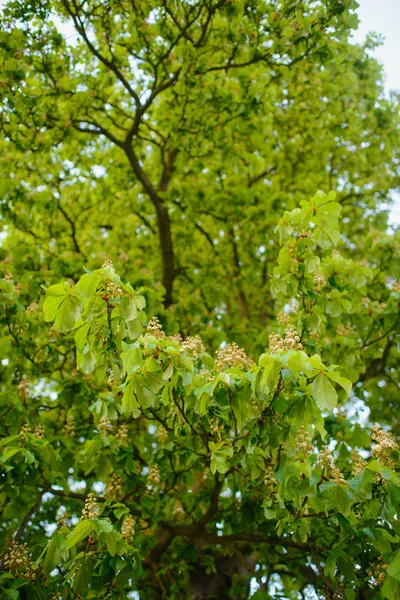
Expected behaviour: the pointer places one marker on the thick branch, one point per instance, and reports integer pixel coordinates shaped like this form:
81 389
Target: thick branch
163 223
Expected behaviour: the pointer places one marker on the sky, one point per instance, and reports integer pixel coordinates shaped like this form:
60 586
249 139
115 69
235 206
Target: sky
383 17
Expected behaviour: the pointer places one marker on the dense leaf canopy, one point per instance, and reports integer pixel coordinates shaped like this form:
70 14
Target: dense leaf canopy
199 384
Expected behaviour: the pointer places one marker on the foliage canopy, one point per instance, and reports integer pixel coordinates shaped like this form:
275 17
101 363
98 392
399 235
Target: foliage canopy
227 420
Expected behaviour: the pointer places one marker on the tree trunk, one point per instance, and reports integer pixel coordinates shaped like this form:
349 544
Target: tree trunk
163 224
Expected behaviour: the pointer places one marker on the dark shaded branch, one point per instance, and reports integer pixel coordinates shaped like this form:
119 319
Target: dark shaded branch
73 229
64 494
377 366
197 225
99 130
257 178
168 169
244 310
381 337
145 221
163 224
105 61
28 516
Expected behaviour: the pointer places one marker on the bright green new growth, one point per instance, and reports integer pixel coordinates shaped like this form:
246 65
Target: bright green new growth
225 426
196 452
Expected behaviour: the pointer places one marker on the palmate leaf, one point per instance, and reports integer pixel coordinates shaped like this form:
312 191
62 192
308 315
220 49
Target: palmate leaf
220 455
53 554
127 307
342 381
132 359
270 374
80 532
330 565
394 567
377 467
68 313
324 393
391 588
63 305
83 576
337 496
299 362
361 486
129 400
87 285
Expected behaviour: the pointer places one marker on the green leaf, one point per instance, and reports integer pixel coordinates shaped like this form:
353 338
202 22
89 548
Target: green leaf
53 555
316 363
388 474
168 371
391 588
86 362
120 512
240 409
9 453
128 308
303 467
111 542
129 400
83 576
324 393
144 395
361 485
313 264
132 359
342 381
334 308
330 565
68 313
261 595
270 376
13 594
140 302
82 530
337 497
87 285
103 526
155 381
166 396
298 362
63 305
55 294
81 335
349 593
394 567
207 360
220 454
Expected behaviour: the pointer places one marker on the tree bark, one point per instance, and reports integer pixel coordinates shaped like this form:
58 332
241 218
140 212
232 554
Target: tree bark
163 224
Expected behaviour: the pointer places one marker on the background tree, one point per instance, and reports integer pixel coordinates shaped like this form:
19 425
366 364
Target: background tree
171 138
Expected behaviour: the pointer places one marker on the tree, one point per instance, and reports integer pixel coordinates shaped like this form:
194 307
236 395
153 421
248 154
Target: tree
142 447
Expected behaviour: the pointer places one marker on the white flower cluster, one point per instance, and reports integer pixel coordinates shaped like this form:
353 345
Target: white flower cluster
230 356
90 510
154 328
290 341
327 462
128 529
193 346
384 445
18 561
